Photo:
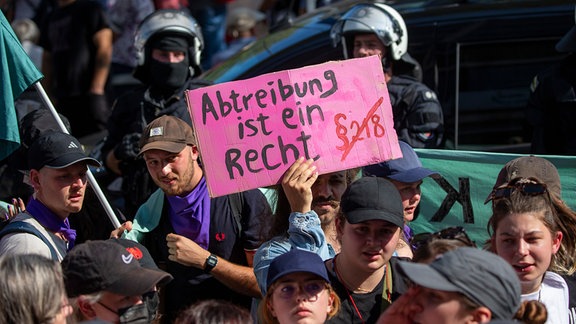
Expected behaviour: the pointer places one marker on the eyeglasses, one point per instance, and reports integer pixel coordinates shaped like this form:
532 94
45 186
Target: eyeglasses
450 233
527 186
287 290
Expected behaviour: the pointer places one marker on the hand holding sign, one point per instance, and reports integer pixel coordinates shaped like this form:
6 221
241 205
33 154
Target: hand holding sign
250 132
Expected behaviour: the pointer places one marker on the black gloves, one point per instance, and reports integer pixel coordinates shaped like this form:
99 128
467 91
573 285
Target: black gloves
128 148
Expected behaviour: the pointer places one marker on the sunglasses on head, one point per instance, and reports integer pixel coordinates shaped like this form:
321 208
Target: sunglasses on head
450 233
527 186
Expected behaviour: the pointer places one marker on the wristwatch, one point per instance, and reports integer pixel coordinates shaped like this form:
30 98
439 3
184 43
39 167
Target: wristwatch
211 262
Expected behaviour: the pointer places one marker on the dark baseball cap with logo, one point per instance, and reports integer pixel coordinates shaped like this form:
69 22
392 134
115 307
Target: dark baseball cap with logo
96 266
139 251
372 198
57 150
167 133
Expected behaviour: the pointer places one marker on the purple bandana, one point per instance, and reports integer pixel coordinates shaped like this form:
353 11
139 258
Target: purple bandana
190 215
51 221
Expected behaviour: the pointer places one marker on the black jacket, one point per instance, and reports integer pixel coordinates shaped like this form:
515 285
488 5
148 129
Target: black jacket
418 118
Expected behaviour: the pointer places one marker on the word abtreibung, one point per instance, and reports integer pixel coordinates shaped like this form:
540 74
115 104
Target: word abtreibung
272 100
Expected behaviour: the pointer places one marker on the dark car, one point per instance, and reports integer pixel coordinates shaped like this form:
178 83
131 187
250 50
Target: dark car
479 56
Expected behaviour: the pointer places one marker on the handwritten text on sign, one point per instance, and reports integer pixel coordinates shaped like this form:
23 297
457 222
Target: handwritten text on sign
249 132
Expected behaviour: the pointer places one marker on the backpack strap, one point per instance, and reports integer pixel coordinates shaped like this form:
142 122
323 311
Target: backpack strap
236 201
23 227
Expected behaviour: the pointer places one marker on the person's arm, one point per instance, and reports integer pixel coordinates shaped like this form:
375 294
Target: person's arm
304 232
297 184
112 162
119 126
304 228
237 277
424 117
264 256
103 41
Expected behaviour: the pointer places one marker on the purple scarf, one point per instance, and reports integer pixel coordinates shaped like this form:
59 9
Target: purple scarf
190 215
51 221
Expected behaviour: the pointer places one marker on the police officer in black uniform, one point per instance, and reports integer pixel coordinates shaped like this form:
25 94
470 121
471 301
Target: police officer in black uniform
551 109
169 44
378 29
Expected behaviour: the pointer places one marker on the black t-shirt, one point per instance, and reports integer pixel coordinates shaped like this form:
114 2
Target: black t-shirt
369 305
227 241
69 37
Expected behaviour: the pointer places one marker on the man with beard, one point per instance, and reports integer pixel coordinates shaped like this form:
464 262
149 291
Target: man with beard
206 244
169 45
306 209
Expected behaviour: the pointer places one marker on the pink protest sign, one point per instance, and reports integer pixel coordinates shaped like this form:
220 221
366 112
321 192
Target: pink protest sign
249 132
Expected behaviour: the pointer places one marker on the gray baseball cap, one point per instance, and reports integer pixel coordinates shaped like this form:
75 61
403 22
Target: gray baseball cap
482 276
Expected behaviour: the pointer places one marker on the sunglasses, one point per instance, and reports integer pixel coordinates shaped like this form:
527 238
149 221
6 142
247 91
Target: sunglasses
527 186
450 233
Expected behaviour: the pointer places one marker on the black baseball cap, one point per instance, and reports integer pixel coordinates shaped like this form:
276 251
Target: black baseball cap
96 266
57 150
482 276
372 198
139 251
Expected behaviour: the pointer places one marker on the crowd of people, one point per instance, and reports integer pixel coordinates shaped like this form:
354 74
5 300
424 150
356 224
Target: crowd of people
322 248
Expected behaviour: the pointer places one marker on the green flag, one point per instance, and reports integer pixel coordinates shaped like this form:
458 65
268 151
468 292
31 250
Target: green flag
17 73
467 178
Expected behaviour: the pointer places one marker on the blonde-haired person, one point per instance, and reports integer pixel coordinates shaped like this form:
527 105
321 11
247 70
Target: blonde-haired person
32 290
298 290
526 231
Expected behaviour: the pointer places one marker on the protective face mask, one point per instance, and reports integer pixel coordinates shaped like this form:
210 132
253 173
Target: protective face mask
136 314
168 75
142 313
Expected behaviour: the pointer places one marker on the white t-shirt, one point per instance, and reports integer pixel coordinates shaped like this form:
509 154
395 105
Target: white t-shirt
554 294
24 243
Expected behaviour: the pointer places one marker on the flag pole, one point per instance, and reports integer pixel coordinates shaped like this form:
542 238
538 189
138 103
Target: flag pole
91 179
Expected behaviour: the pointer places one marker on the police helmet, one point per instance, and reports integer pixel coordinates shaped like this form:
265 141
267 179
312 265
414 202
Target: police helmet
167 21
376 18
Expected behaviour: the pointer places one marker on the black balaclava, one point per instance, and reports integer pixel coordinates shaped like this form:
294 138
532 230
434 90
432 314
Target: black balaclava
169 76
